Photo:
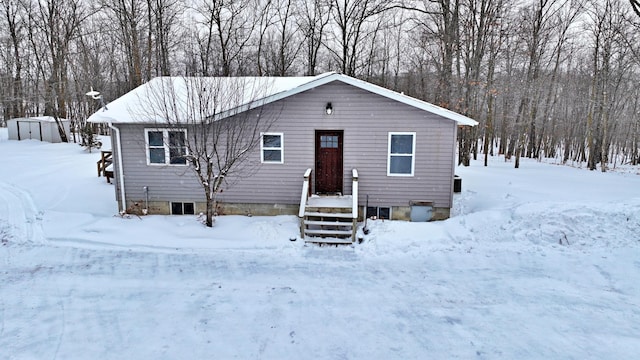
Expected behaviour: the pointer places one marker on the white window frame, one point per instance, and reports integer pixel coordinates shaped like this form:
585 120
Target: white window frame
412 155
165 145
263 148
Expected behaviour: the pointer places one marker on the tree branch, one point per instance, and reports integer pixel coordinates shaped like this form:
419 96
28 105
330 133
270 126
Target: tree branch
635 5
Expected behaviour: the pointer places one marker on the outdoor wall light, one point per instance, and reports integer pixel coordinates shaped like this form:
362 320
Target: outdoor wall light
329 109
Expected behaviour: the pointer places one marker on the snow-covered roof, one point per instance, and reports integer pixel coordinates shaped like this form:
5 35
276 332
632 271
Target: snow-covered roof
38 118
163 97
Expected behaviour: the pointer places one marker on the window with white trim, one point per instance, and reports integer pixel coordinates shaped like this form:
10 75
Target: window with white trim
166 146
272 148
401 153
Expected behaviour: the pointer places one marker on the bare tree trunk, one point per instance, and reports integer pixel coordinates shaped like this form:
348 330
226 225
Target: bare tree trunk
53 25
232 25
351 18
14 27
313 23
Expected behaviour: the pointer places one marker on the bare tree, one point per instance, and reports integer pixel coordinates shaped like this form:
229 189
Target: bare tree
53 26
539 22
565 20
228 26
476 17
351 19
129 19
312 21
265 20
439 22
217 124
286 44
608 67
279 43
162 18
12 20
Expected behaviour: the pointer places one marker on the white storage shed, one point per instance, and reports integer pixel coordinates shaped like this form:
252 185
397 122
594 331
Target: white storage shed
43 128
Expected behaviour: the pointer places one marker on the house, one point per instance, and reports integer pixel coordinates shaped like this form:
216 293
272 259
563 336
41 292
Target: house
354 143
43 128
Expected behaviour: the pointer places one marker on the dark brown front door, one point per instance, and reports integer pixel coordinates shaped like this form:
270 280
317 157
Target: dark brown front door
329 162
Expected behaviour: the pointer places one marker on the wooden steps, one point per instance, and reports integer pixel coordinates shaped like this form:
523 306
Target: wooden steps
328 219
327 214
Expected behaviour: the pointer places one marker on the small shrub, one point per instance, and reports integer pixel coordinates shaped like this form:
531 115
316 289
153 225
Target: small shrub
89 139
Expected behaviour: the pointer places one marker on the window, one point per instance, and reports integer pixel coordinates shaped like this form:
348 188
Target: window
329 141
379 212
166 147
179 208
271 148
402 148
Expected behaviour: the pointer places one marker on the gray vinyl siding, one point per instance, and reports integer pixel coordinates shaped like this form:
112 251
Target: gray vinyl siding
366 120
165 183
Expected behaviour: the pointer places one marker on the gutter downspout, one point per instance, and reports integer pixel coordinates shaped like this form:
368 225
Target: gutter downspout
120 172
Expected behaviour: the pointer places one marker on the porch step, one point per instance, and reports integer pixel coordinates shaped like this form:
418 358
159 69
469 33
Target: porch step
330 202
328 232
327 223
329 215
318 240
327 219
328 228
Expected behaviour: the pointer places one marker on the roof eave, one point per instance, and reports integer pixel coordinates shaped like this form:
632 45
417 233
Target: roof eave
316 81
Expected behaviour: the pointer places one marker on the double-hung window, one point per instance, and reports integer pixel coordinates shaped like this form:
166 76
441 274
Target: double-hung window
401 154
166 146
271 148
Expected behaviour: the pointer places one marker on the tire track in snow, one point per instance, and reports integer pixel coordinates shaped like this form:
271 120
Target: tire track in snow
20 214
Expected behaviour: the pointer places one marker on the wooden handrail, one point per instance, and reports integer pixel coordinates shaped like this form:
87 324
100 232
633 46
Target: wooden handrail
304 196
354 204
105 160
354 193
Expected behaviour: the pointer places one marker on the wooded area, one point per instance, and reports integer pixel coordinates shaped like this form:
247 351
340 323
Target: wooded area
545 78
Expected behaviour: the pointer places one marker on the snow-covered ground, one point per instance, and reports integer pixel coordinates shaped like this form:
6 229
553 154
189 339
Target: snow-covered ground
541 262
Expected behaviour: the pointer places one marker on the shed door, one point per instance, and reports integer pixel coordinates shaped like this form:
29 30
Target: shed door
329 161
29 130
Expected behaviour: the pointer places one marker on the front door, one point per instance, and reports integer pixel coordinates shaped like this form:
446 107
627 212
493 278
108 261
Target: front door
329 161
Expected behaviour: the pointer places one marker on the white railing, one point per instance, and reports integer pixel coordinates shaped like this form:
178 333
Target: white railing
305 193
354 194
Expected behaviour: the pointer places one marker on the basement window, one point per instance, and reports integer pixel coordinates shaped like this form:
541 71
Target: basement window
182 208
379 212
